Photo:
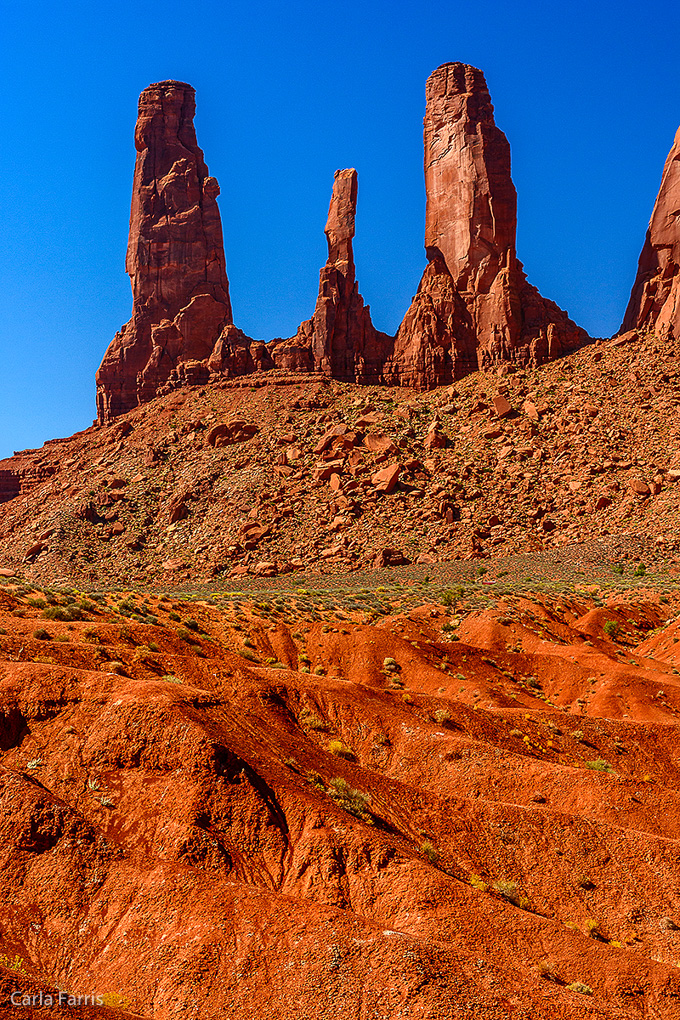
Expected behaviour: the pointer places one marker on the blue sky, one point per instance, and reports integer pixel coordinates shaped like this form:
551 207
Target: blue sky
587 93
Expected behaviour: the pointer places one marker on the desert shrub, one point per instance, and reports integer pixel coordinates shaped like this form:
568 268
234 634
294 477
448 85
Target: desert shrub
507 890
42 635
246 653
580 987
64 613
441 716
612 629
350 800
478 883
640 570
592 929
37 603
598 765
547 971
191 624
428 851
311 721
339 748
184 635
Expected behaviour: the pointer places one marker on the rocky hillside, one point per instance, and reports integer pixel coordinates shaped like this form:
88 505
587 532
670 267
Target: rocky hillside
249 477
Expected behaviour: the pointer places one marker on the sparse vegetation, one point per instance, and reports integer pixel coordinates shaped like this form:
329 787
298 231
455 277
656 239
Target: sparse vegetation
339 748
350 800
580 987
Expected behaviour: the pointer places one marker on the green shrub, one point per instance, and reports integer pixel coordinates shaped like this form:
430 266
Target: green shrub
599 765
42 635
350 800
64 613
508 890
311 721
612 629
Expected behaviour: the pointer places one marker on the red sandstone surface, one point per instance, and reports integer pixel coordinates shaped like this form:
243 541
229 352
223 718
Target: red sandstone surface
655 298
414 809
474 306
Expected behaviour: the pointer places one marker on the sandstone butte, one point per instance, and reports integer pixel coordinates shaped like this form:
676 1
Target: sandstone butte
474 306
655 299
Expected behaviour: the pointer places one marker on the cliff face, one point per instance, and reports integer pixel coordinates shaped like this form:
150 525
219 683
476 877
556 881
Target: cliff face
655 298
175 258
474 306
339 340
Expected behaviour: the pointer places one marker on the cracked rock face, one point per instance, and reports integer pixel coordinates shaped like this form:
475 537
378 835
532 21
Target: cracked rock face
655 298
175 258
474 306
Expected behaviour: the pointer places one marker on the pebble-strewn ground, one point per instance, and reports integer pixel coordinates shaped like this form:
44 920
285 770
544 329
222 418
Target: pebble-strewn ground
265 479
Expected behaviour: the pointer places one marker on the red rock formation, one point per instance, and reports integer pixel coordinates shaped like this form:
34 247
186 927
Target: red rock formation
339 340
175 260
474 305
655 298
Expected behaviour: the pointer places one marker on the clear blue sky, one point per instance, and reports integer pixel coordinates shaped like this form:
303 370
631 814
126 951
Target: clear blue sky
587 92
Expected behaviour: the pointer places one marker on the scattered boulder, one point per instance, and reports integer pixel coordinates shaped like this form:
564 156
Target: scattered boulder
386 479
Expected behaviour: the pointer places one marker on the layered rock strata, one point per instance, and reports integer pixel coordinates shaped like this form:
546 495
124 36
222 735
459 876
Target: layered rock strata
339 340
655 298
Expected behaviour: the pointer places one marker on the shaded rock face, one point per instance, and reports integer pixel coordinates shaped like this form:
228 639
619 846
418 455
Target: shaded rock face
339 340
474 306
175 260
655 298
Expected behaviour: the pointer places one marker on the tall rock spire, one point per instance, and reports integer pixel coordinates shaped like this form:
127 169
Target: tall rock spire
339 340
474 306
655 298
175 257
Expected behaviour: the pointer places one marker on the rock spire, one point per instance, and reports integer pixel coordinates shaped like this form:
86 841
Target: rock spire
655 298
175 258
474 306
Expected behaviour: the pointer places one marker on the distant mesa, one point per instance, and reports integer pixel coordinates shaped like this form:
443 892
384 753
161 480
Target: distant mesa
474 307
655 298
